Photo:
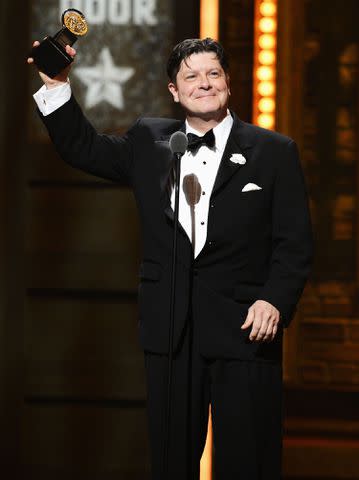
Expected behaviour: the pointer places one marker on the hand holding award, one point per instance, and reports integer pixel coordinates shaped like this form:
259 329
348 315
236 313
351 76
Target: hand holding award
55 54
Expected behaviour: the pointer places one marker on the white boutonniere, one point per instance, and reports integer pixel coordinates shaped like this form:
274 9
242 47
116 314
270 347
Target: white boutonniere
238 158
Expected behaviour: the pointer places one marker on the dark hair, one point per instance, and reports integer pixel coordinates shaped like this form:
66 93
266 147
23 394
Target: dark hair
189 46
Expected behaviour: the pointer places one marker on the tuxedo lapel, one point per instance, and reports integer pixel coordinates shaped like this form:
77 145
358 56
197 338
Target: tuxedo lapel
165 164
165 159
239 141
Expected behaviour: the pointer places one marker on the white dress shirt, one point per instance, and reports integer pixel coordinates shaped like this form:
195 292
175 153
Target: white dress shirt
203 164
49 100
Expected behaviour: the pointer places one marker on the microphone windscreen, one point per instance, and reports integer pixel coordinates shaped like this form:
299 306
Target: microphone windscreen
178 142
192 189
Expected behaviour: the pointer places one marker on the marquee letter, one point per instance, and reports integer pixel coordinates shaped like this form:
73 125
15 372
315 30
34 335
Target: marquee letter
65 4
120 12
95 11
143 12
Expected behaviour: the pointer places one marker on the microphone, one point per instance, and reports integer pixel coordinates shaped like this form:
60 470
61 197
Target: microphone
192 189
178 143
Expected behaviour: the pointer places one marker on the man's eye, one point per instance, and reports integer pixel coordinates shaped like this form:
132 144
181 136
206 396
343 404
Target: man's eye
215 73
189 76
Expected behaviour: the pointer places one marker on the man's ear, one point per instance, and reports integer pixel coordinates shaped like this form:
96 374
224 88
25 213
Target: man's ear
173 89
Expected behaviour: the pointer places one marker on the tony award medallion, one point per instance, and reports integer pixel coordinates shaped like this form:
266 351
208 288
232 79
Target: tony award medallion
50 56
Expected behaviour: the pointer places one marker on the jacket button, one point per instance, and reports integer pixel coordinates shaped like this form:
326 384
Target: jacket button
195 272
212 205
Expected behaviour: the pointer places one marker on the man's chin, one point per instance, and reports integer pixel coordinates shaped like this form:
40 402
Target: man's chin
209 114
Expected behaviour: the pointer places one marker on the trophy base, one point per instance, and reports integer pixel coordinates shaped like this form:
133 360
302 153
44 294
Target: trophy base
50 58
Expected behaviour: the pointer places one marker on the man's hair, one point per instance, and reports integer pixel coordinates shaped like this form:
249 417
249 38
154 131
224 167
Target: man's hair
187 47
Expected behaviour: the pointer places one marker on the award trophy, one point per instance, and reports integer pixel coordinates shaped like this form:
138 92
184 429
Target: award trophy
50 56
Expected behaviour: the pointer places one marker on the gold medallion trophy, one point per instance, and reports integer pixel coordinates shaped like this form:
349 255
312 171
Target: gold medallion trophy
50 56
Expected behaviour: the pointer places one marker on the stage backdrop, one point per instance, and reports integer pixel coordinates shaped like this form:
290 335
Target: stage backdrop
318 106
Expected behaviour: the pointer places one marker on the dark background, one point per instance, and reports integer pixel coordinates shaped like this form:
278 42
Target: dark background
72 398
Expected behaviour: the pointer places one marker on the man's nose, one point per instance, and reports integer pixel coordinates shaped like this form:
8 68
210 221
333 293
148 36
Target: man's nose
204 82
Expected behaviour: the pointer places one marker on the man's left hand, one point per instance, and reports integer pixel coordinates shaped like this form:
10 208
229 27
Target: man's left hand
264 318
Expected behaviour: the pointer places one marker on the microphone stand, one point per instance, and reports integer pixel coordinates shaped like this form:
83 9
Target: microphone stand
172 315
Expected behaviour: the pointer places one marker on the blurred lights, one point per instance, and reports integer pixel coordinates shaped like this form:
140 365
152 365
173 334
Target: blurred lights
265 120
209 19
266 41
266 57
266 89
206 460
268 9
265 73
264 104
267 25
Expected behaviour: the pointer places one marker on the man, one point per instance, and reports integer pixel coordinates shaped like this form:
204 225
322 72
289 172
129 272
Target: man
244 255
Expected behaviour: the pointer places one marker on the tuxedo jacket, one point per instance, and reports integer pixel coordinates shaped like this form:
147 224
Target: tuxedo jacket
259 242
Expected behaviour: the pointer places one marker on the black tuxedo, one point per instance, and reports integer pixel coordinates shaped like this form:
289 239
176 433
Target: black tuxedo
259 243
258 246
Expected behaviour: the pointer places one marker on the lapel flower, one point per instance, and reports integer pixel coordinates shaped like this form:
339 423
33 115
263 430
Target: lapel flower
238 158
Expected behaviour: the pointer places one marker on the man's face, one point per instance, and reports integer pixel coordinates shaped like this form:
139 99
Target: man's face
202 86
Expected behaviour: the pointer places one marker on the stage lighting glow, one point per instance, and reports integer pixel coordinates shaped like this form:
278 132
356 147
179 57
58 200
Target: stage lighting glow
264 68
266 105
266 57
268 9
266 41
266 89
265 73
265 120
267 25
209 18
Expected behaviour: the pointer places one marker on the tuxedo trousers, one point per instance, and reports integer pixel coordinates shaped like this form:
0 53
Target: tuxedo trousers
246 406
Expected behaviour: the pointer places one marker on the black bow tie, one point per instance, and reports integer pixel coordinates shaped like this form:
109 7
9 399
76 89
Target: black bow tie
194 141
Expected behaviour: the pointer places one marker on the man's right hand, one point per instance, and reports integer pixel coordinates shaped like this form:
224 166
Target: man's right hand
62 77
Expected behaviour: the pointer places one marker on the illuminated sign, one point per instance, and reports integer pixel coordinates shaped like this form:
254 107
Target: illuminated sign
115 12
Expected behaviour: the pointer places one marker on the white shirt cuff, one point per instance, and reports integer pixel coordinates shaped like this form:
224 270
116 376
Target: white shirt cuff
49 100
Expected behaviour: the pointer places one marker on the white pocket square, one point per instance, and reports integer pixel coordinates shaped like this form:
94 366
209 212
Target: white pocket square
250 186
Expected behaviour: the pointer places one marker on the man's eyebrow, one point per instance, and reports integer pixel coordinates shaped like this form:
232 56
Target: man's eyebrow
190 70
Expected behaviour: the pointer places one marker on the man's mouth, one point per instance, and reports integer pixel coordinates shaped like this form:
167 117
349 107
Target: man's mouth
205 96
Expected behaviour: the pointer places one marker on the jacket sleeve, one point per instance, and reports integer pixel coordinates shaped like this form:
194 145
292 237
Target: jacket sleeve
292 241
78 144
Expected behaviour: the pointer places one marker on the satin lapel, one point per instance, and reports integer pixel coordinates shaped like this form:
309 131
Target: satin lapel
164 160
165 163
239 141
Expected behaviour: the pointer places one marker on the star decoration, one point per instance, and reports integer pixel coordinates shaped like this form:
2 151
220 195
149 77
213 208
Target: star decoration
104 81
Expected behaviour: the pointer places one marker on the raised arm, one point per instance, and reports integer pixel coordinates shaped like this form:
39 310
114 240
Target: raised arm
75 139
